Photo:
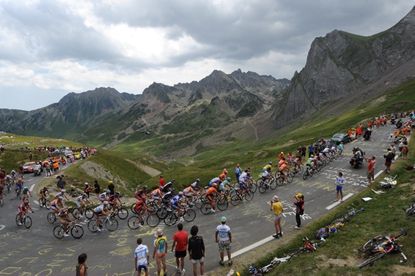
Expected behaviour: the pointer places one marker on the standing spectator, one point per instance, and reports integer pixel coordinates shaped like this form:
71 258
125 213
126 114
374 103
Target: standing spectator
393 149
310 150
277 208
371 163
389 156
160 251
405 150
238 172
179 247
339 186
162 181
196 249
223 238
299 208
61 182
141 258
111 188
97 188
81 268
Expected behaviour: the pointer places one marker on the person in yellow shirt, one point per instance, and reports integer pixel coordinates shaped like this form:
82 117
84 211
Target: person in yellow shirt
276 207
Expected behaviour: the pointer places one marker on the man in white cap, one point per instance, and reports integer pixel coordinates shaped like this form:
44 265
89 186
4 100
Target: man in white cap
223 237
160 251
276 207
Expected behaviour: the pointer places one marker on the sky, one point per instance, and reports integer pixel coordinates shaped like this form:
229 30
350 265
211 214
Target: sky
51 48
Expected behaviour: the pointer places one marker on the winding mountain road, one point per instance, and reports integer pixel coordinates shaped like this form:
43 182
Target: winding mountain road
37 252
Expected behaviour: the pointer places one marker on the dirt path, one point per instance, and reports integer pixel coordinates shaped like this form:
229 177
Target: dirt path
255 129
148 170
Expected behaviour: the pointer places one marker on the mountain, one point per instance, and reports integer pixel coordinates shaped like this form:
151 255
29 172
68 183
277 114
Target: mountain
69 117
342 68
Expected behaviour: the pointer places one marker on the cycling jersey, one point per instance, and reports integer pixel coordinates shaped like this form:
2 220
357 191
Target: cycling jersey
99 209
266 168
243 177
175 200
102 196
214 180
188 190
211 191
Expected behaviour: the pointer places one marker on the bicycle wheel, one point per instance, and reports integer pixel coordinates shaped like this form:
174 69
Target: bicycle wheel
76 213
152 220
190 215
18 220
306 174
273 184
111 224
290 177
171 219
162 212
42 202
135 222
77 231
222 204
248 195
262 187
51 217
92 226
206 208
27 222
235 199
371 260
89 213
58 232
122 213
252 187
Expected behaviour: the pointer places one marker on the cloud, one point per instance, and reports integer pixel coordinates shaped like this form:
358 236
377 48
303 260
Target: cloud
127 44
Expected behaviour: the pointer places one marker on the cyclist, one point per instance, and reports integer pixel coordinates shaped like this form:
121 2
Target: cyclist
19 185
101 211
23 208
210 196
80 202
223 175
140 197
283 168
57 204
267 167
225 184
190 190
156 194
103 197
87 189
26 192
176 200
43 194
243 179
215 180
340 147
65 220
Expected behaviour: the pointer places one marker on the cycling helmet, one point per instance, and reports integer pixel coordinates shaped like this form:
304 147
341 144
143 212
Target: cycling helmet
228 179
270 162
86 183
197 180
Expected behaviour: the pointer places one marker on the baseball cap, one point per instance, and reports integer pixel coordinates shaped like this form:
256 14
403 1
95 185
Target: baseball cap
223 219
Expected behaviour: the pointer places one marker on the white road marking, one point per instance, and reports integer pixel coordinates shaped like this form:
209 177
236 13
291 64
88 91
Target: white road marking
36 202
331 206
250 247
32 187
378 173
2 227
29 180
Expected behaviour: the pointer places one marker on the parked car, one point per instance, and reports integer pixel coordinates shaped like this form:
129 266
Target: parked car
340 137
31 167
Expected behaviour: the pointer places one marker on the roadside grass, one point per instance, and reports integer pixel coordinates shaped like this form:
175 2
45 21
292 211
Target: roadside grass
382 215
11 159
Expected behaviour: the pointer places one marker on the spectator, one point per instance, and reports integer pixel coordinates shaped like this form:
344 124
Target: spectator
81 268
111 188
238 172
299 208
61 182
179 247
141 258
97 188
277 208
339 186
371 163
310 150
160 251
389 156
223 238
162 181
196 249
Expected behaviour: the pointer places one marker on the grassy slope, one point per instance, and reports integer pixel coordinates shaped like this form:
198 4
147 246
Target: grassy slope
382 215
14 156
209 163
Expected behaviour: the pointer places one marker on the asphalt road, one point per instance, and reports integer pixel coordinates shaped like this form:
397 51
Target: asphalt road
37 252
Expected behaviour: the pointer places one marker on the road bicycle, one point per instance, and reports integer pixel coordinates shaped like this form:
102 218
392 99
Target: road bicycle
238 195
379 246
349 214
265 184
180 213
388 182
110 223
76 230
24 220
